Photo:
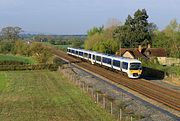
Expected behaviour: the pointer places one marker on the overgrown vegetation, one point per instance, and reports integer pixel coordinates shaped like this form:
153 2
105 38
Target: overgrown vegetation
43 96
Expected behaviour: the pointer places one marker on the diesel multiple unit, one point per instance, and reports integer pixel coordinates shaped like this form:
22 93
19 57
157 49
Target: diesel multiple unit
132 67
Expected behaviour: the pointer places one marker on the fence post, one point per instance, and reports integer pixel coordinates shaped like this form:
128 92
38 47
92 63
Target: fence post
111 107
97 97
122 96
83 84
87 88
120 114
104 101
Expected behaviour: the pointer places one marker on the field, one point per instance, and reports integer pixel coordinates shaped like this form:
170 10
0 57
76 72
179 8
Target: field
23 59
62 47
45 96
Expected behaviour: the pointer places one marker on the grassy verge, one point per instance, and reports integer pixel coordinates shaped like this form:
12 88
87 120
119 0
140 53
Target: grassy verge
2 81
23 59
44 96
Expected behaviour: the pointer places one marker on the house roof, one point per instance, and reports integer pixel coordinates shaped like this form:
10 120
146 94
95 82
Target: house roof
155 52
133 51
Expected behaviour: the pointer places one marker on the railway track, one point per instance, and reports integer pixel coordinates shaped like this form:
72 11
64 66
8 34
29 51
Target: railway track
166 96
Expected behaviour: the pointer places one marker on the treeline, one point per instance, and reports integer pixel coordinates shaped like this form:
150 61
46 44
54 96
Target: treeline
168 38
11 43
74 40
135 31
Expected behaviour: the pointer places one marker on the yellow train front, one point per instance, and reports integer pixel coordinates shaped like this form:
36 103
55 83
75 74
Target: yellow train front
135 70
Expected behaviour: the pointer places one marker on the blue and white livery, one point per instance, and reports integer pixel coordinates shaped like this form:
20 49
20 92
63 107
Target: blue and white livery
132 67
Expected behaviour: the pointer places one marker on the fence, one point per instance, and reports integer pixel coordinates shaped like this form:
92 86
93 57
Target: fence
118 107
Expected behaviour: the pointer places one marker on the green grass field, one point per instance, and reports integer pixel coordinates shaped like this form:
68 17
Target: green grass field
23 59
45 96
64 47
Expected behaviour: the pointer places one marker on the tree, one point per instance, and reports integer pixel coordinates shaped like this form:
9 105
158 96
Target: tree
169 38
94 35
11 33
172 32
107 46
135 30
76 43
95 30
40 52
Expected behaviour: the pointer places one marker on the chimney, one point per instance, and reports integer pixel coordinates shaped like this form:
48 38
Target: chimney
140 48
149 46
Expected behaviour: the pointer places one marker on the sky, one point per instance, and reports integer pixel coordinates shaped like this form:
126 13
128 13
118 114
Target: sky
78 16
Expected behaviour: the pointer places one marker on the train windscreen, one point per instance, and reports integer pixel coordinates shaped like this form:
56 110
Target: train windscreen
135 66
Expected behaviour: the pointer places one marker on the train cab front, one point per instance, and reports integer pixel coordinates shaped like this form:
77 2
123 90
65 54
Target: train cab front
135 70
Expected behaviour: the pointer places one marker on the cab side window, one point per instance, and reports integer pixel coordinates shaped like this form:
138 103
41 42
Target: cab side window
125 65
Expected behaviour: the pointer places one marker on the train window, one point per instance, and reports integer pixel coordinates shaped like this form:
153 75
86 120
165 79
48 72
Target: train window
81 53
85 55
76 52
125 65
89 55
109 61
116 63
98 58
106 60
93 57
72 51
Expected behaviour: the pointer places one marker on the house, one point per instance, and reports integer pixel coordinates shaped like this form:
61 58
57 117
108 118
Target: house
145 53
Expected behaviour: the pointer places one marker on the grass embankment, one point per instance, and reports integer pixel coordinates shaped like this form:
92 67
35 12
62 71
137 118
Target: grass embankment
44 96
26 60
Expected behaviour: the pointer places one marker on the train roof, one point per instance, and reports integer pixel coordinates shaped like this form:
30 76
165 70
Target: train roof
107 55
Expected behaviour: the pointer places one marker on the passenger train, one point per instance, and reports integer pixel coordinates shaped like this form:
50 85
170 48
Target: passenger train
132 67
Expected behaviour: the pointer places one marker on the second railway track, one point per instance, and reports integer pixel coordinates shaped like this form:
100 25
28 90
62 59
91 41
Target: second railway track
166 96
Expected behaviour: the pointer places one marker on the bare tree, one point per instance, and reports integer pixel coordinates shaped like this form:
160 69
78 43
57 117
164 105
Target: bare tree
11 33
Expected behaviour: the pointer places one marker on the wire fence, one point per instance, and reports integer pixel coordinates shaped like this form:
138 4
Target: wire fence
105 99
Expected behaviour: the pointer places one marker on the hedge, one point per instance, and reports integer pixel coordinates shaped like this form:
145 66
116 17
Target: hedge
51 67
